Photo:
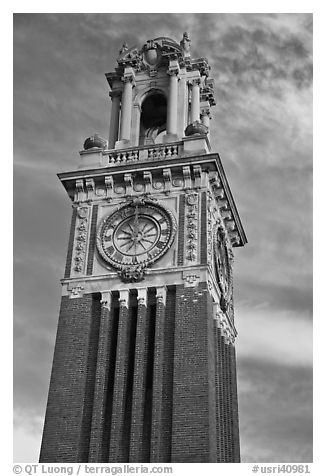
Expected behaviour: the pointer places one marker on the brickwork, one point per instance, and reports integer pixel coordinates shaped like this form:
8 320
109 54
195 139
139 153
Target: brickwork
103 368
165 446
70 243
157 409
228 448
220 423
193 421
235 418
92 241
110 385
140 384
68 416
227 395
120 422
139 387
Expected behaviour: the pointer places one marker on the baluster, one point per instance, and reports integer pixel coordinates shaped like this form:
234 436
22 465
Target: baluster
168 151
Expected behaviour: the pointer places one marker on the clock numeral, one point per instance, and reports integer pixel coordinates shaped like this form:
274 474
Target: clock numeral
108 238
110 250
160 244
162 220
134 260
117 256
165 232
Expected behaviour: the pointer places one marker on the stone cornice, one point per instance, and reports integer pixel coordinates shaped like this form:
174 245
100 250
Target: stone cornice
86 182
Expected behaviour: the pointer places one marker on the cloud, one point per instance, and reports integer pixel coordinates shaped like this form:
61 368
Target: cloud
275 405
262 128
281 337
27 430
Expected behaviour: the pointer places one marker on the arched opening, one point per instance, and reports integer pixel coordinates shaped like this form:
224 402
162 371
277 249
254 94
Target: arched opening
153 119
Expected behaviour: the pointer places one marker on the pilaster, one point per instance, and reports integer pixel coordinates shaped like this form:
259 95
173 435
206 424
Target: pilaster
118 444
157 403
137 445
97 437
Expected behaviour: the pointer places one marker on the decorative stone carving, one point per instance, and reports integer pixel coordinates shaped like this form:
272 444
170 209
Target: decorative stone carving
139 187
174 68
132 274
167 178
210 224
76 291
81 238
191 279
178 182
79 195
90 187
109 186
106 300
128 183
191 226
198 175
124 48
142 296
124 298
223 267
147 181
223 323
185 43
186 177
158 185
161 295
151 57
135 236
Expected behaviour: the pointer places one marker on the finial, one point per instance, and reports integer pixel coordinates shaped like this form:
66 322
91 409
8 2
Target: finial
123 48
185 43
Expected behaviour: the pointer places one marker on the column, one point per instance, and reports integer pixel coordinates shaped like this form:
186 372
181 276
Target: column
114 120
172 109
157 406
101 381
126 105
117 443
195 100
136 454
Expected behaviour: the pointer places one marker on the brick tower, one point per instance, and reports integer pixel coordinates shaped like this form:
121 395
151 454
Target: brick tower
144 364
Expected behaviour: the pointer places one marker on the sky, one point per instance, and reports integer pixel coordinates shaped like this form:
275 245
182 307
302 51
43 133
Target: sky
262 129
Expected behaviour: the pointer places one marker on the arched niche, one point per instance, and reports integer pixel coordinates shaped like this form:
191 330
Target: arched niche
153 118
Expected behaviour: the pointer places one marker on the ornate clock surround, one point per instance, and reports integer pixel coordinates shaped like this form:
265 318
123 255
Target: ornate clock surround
223 267
135 236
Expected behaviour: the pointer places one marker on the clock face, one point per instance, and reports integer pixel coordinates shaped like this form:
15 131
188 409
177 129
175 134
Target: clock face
222 267
137 234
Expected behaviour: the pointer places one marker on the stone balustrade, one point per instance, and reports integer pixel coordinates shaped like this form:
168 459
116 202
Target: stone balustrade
122 156
163 151
160 151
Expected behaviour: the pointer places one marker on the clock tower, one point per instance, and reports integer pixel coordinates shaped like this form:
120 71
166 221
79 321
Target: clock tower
144 363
